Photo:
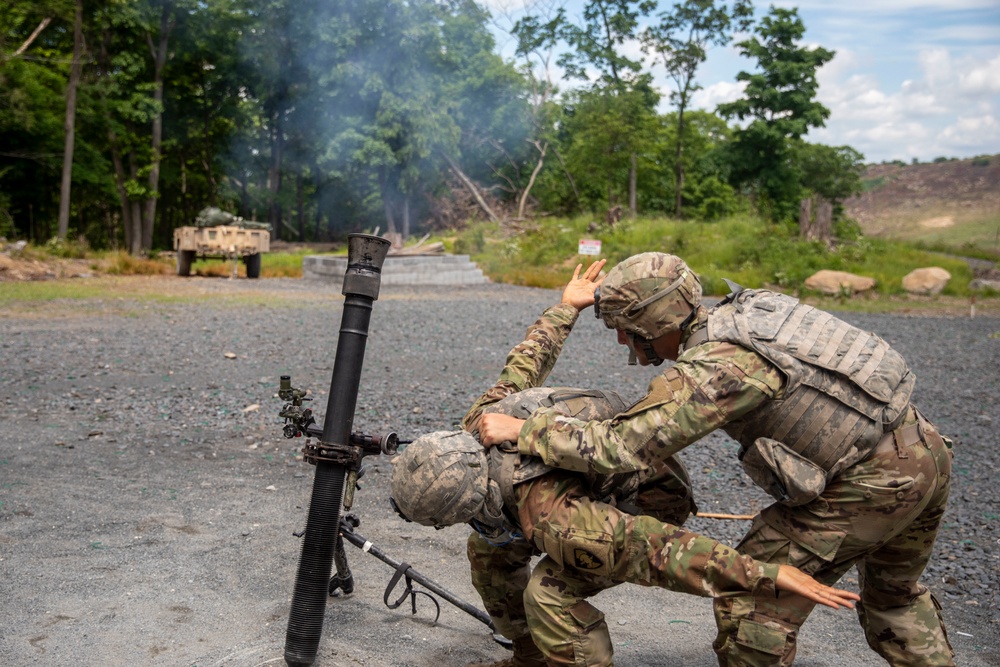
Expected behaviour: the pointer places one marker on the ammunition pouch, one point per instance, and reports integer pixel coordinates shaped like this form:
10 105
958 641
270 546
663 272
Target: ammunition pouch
786 476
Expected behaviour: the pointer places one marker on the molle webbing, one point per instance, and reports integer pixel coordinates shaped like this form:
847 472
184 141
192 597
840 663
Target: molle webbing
844 388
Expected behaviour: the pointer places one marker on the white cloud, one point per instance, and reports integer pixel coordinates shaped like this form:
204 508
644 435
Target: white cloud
936 65
975 134
949 109
889 6
983 78
712 96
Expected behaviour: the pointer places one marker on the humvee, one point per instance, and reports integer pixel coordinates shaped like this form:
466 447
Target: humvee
217 234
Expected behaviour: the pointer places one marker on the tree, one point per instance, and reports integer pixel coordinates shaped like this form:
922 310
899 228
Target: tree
608 136
537 38
681 40
35 48
706 195
780 103
70 124
830 174
599 45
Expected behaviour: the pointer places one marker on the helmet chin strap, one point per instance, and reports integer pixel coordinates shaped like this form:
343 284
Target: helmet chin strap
647 349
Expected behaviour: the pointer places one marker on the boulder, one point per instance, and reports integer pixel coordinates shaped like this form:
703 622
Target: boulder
929 280
839 282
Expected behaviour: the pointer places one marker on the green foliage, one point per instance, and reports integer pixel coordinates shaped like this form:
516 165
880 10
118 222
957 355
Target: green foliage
833 173
869 184
779 101
66 248
745 249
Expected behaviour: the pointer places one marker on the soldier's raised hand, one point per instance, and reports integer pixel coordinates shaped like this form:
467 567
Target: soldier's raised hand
579 293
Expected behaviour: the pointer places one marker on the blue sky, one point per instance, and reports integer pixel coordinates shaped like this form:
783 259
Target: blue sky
910 79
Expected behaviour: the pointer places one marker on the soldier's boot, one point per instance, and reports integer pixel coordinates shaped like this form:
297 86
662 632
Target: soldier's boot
526 654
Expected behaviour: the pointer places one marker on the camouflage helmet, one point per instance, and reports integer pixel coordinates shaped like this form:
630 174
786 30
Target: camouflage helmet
585 404
440 479
649 295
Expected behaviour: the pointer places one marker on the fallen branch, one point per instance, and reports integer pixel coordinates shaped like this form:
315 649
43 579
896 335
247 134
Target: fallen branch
31 38
471 187
734 517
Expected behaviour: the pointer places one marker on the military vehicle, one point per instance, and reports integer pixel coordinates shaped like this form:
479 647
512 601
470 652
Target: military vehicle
221 235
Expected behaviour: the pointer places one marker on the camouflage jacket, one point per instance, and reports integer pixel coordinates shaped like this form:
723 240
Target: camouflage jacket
529 363
708 387
728 381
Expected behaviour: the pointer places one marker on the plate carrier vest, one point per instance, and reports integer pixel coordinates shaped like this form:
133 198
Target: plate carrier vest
844 387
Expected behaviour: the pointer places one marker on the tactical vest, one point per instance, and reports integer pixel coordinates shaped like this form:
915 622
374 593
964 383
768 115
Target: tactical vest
844 387
507 468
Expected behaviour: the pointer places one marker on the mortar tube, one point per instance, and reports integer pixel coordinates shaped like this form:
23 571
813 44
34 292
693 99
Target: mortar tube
361 286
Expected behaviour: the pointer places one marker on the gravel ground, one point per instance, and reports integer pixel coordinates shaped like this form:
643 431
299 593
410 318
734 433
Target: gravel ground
147 499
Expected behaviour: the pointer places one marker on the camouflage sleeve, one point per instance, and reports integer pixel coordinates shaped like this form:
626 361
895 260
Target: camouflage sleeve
530 362
708 387
699 565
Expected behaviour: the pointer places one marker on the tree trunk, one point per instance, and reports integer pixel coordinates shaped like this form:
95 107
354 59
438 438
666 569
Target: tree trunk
300 206
633 177
70 124
116 160
406 217
679 165
274 173
542 146
824 221
805 218
159 53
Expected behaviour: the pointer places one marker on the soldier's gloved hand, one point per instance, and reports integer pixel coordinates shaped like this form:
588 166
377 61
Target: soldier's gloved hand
494 429
579 293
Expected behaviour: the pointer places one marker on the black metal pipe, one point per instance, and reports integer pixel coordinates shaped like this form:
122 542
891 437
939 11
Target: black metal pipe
431 585
362 280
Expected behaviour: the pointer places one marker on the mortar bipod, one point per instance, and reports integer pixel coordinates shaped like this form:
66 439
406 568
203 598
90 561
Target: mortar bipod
343 580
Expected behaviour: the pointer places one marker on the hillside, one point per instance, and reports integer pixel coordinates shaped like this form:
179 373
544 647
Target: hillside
954 203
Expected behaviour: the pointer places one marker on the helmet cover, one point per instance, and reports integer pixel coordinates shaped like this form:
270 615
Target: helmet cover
649 295
585 404
440 479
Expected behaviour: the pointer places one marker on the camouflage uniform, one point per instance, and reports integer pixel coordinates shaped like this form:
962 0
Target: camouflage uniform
590 545
880 513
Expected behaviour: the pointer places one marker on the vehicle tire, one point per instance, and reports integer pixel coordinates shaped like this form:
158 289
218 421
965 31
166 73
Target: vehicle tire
185 258
253 265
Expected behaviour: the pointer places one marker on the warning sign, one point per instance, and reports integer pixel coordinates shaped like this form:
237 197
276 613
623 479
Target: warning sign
589 247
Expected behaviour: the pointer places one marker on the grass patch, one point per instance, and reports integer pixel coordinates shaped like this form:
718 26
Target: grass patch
121 263
744 249
973 232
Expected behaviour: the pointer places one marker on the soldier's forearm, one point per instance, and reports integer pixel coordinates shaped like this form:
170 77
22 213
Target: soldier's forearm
529 362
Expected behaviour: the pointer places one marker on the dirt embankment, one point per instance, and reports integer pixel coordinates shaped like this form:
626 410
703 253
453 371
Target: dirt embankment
928 196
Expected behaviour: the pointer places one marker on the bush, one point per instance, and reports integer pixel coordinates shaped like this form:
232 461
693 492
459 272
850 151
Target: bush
66 249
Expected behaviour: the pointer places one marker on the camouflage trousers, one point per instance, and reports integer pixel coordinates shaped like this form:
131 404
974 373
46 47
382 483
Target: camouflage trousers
881 515
590 546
